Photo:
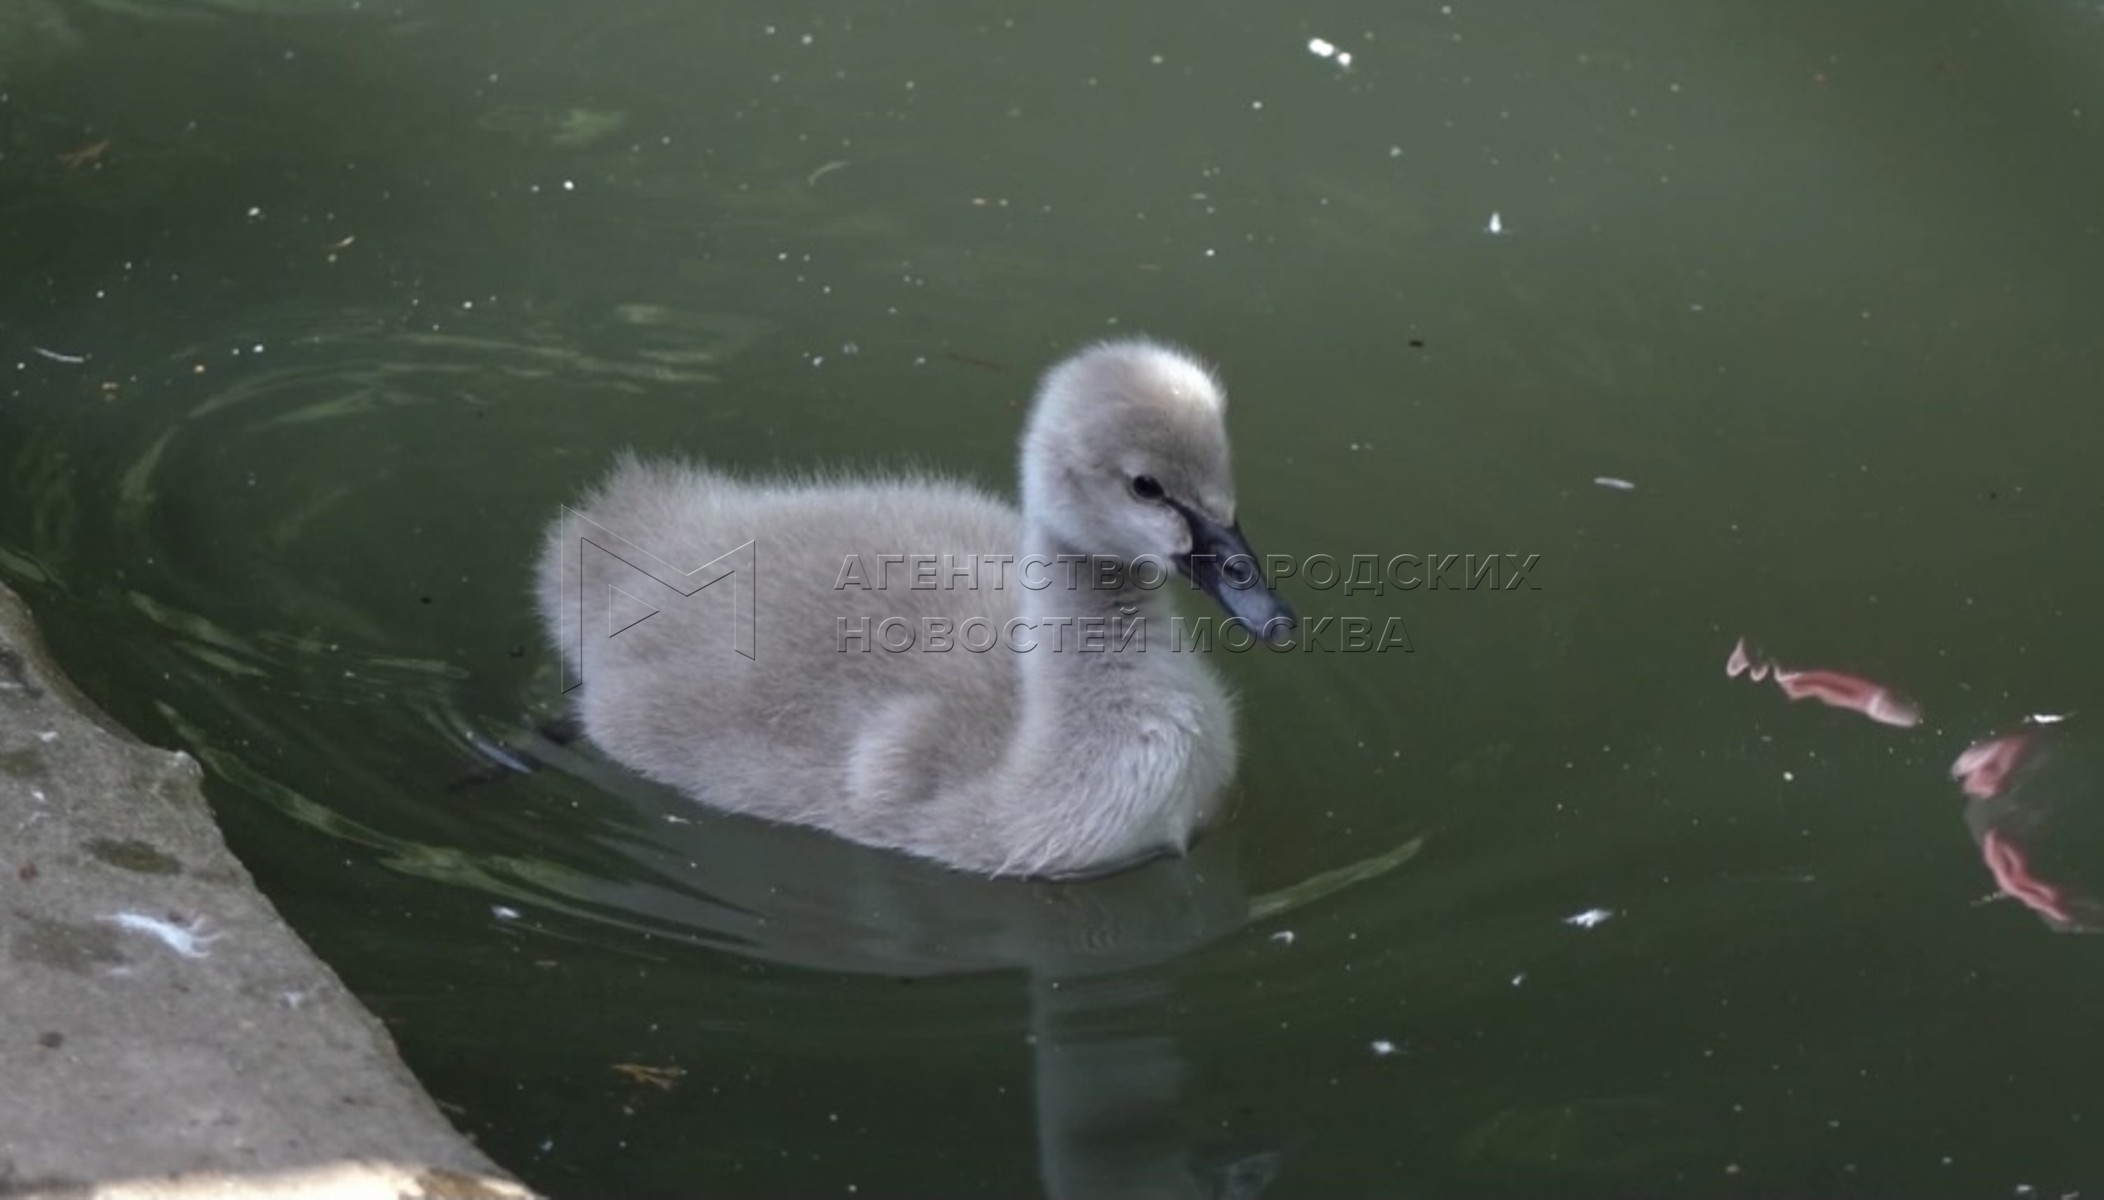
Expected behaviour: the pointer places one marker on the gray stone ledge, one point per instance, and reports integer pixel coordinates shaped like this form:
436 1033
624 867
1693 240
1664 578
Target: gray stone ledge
165 1034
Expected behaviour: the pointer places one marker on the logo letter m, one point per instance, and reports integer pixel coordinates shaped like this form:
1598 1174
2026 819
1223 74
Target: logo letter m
597 557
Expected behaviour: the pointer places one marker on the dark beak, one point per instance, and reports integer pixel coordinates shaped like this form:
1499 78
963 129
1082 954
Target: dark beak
1222 565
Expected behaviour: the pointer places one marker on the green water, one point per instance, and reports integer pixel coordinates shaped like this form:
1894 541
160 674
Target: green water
363 292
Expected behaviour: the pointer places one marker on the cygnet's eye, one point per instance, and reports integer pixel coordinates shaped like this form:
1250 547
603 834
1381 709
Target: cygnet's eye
1146 487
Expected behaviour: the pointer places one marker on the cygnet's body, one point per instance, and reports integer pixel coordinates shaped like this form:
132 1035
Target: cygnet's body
1097 747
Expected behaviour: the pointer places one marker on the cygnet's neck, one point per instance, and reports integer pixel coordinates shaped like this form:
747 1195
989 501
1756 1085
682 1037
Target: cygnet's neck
1087 756
1077 601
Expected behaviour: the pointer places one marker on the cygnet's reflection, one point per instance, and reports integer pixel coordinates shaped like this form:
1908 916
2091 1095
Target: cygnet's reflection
1113 1118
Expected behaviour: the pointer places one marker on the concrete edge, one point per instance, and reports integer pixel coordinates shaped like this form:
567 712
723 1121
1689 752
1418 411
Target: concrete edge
169 1037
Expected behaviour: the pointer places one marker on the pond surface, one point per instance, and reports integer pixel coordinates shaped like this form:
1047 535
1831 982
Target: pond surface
312 314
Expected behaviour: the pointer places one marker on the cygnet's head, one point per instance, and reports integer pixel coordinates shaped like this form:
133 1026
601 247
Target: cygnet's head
1126 455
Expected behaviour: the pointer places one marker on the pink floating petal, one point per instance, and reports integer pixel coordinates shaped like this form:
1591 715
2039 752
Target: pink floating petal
1983 768
1974 758
1827 687
2013 875
1746 661
1890 708
1739 661
1851 692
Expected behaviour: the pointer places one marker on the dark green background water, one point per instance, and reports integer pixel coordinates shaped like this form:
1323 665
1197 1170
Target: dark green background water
365 291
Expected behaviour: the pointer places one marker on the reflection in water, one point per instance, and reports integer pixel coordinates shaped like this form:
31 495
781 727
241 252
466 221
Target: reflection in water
1112 1119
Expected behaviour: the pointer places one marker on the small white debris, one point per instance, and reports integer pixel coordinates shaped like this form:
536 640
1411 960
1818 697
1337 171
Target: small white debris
1496 225
1324 48
672 820
1589 918
1283 937
1519 979
254 212
55 356
295 999
503 912
190 943
48 736
1610 482
1382 1047
2048 718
